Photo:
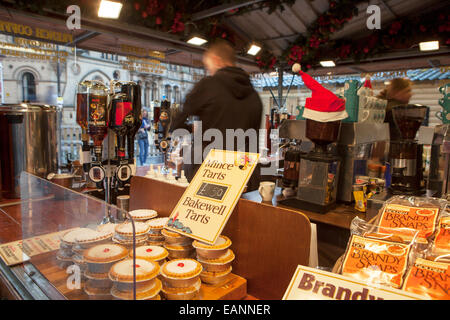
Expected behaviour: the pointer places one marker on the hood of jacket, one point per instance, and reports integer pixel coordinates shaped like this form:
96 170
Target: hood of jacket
236 80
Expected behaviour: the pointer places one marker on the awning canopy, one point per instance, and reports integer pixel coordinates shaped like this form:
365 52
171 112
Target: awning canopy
275 31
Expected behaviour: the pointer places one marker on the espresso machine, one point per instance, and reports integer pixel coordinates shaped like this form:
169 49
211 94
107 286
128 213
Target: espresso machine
363 148
405 154
438 175
319 169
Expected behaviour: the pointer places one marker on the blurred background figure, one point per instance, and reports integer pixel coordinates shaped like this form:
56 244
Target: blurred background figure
142 136
397 92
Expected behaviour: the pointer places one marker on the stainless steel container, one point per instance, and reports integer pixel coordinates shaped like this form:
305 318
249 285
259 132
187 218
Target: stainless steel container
28 142
359 145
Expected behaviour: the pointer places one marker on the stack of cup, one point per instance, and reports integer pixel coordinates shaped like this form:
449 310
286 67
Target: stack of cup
123 202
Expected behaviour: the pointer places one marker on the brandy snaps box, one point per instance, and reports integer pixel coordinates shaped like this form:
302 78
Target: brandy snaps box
397 217
376 261
429 278
208 201
442 240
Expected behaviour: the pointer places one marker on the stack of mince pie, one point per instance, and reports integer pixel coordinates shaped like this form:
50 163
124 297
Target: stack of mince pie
178 246
124 234
180 278
151 253
75 242
216 260
101 235
148 286
154 234
143 214
99 260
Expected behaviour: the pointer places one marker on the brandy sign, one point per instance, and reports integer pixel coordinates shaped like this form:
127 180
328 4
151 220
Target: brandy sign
314 284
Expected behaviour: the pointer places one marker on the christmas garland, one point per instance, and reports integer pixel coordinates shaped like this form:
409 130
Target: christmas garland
171 16
175 17
316 45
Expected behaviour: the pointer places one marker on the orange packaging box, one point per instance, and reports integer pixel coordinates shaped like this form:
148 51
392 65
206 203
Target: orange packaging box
397 217
429 278
442 240
376 261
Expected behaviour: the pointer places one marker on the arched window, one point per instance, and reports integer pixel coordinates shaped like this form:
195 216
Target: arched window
154 95
98 78
176 94
28 87
168 92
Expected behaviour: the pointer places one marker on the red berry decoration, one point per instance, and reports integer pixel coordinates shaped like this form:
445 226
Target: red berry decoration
106 250
138 266
149 250
181 265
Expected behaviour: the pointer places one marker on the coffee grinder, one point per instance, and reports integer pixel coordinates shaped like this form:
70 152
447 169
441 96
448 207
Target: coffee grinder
405 154
319 169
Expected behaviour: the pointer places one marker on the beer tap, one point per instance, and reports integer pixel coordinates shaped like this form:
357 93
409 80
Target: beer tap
162 133
125 122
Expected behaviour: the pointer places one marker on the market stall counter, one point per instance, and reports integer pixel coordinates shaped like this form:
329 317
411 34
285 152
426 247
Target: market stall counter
57 244
333 227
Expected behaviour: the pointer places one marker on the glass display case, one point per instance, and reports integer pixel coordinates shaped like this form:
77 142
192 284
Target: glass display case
56 243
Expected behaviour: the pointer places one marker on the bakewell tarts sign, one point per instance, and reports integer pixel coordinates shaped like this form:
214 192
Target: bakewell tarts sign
314 284
206 205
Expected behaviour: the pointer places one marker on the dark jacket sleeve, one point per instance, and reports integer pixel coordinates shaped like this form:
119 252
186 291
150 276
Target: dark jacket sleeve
196 100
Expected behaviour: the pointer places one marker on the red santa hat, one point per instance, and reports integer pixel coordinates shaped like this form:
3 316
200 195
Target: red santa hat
324 105
367 83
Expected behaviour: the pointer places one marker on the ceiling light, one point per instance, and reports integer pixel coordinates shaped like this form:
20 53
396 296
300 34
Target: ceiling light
109 9
429 45
254 49
327 63
197 41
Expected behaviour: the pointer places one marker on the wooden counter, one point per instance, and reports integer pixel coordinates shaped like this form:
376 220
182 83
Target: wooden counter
340 217
333 227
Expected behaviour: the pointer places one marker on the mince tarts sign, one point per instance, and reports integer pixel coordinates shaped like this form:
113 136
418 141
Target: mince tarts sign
206 205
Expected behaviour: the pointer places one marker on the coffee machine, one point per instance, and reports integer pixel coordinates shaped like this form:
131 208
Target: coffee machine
363 148
439 170
319 169
405 154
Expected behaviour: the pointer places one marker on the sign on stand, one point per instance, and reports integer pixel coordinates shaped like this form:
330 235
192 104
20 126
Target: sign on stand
314 284
204 209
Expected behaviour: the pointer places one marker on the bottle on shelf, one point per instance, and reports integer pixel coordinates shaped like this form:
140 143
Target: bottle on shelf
97 115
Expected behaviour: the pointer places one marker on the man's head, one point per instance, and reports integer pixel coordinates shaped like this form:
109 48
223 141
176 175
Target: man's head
219 55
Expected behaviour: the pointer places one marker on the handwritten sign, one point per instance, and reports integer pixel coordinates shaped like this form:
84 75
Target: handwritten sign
206 205
314 284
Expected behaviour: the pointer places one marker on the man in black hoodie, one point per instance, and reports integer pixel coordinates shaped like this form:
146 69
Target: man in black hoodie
223 100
